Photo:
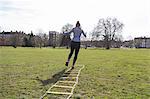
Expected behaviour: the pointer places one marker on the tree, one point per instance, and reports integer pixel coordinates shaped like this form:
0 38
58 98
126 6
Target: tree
66 38
31 40
67 28
43 39
15 40
26 42
38 41
108 30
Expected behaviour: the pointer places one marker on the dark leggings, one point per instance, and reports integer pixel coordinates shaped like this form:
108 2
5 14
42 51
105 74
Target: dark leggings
74 46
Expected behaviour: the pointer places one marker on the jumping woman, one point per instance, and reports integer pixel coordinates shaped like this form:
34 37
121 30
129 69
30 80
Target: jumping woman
75 43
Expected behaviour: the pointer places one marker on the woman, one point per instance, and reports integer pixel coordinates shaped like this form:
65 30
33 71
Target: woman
75 43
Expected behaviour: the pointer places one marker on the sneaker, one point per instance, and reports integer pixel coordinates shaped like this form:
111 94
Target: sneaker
66 63
72 68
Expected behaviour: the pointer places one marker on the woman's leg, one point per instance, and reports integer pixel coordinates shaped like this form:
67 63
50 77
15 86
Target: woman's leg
76 55
70 54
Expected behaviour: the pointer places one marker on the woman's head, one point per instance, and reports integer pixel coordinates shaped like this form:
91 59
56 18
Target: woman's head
78 24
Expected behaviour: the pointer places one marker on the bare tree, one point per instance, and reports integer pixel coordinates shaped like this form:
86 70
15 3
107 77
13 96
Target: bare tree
67 28
43 38
38 41
15 40
32 40
66 38
107 29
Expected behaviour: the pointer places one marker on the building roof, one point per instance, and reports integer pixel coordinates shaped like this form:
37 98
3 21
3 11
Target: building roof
142 38
11 32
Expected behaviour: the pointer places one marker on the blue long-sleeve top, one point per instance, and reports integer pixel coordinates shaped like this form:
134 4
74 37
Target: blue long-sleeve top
77 31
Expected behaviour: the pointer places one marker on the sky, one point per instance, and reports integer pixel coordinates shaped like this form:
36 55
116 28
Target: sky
51 15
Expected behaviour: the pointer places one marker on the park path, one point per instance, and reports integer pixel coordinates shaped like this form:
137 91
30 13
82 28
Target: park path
64 87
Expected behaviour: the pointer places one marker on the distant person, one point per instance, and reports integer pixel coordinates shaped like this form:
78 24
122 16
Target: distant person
75 43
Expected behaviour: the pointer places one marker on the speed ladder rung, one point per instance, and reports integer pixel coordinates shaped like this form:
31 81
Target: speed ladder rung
62 86
67 81
68 77
71 73
64 93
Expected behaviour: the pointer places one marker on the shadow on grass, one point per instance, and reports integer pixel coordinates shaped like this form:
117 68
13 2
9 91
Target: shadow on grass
54 78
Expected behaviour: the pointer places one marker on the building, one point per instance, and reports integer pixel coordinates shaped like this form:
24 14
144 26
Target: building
11 38
55 38
142 42
128 44
101 44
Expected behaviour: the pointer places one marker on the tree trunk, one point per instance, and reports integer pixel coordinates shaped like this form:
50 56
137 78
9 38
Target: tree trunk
108 45
107 42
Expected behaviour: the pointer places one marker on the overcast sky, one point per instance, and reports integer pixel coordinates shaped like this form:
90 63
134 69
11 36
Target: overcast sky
47 15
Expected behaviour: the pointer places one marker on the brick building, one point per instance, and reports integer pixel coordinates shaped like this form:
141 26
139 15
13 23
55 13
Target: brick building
142 42
9 38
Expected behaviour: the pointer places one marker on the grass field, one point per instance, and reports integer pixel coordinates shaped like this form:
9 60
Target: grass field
27 73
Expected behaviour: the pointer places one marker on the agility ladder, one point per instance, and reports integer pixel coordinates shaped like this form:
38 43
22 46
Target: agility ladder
69 80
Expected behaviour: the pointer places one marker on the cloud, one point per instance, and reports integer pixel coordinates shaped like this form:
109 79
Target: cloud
7 6
53 14
15 7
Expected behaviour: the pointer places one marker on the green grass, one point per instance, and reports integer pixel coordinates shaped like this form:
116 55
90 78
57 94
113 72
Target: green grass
117 73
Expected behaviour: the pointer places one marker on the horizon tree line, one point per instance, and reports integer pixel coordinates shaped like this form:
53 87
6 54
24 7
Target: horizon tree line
107 30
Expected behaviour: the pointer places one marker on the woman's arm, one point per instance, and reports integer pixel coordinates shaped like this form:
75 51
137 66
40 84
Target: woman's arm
83 33
68 33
